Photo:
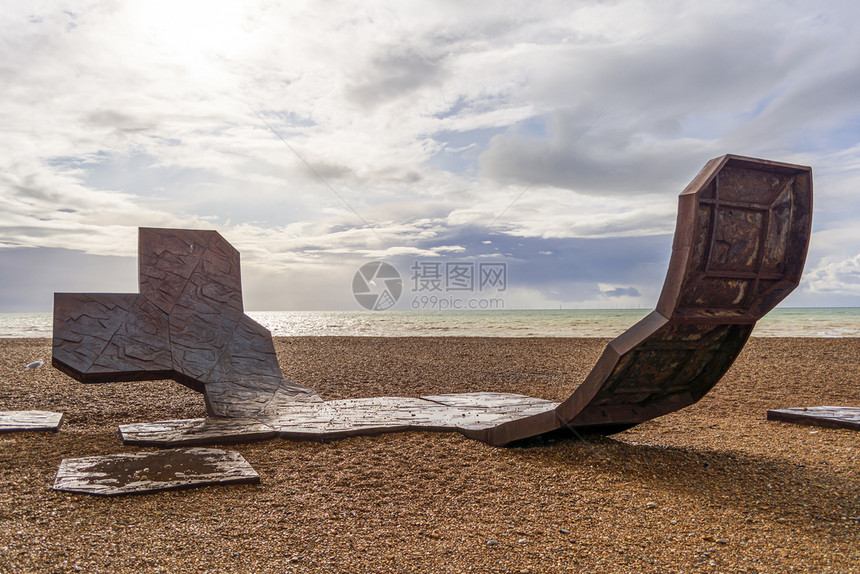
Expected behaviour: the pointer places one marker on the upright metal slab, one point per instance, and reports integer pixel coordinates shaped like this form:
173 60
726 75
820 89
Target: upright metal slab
187 323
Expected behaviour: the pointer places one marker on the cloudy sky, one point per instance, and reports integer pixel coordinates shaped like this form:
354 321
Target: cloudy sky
553 137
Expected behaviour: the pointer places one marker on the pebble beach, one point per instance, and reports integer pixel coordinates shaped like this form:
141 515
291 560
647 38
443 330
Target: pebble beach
712 488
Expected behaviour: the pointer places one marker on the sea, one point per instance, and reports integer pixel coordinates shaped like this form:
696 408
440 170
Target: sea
604 323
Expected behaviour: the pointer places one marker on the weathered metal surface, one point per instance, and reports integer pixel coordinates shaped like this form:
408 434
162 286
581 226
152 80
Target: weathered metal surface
832 417
740 244
472 414
13 421
187 323
110 337
136 473
194 432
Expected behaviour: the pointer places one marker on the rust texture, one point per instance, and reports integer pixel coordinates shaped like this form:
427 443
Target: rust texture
472 414
740 245
187 323
141 472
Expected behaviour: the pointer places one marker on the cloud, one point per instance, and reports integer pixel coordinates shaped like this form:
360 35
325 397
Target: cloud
653 110
549 129
400 71
621 292
840 277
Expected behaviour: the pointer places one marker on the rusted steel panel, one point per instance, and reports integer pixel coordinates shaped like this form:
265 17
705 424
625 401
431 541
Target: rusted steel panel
740 244
186 323
140 472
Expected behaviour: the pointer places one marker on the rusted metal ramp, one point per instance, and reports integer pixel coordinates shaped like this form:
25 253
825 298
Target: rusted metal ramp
740 244
473 414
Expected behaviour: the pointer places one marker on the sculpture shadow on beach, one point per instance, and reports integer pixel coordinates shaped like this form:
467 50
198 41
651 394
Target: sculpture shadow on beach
740 244
771 487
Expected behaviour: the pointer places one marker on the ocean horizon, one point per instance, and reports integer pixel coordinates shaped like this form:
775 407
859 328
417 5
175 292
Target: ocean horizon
603 323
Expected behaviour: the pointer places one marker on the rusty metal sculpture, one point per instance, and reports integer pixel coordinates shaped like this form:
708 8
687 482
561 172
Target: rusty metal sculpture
740 245
187 324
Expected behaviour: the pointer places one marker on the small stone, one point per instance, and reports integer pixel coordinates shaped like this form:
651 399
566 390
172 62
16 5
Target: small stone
651 505
492 542
522 541
564 530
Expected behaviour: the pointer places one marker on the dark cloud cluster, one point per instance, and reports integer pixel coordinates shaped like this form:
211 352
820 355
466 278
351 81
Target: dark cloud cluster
400 71
621 292
562 269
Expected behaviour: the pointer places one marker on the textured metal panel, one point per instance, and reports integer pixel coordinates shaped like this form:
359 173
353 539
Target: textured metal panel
473 414
186 324
109 337
14 421
741 239
136 473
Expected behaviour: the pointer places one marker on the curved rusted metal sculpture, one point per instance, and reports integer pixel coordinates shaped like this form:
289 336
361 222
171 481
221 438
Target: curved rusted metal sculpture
740 245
